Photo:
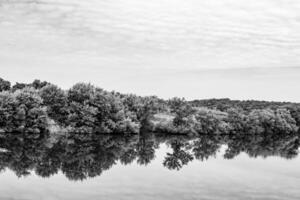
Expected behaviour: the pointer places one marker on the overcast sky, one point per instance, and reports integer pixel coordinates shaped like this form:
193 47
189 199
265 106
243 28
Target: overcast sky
240 49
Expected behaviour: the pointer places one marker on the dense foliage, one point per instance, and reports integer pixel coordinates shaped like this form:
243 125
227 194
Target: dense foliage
4 85
85 111
23 112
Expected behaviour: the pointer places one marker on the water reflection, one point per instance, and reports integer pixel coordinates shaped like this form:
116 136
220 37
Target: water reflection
79 160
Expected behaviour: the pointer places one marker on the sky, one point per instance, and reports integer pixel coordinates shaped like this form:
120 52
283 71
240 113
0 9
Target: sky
239 49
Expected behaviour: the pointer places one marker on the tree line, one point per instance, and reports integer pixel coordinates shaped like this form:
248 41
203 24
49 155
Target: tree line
39 108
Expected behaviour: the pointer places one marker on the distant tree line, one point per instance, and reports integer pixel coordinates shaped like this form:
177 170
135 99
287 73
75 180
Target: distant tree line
39 108
192 119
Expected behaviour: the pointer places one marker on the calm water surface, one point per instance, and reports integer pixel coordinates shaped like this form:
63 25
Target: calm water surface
151 167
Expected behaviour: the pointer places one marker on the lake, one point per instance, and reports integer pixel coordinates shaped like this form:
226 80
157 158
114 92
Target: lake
192 49
151 166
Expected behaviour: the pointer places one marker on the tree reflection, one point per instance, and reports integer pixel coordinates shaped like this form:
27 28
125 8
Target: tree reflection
180 156
81 159
285 146
145 149
206 147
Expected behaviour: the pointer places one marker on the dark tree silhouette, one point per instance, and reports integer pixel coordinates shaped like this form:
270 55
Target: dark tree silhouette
4 85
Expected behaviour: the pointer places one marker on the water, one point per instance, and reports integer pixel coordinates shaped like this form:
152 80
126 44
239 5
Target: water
151 167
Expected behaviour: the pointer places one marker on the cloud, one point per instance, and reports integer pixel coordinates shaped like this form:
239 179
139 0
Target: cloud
200 34
107 41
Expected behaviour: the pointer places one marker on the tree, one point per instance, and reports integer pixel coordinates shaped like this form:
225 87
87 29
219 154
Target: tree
33 114
4 85
81 92
37 84
111 114
82 114
237 120
184 120
144 108
294 110
7 110
284 122
23 112
56 101
19 86
211 121
81 119
272 122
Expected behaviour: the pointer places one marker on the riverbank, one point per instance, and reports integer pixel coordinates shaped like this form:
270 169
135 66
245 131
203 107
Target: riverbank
40 107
